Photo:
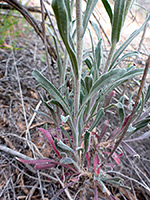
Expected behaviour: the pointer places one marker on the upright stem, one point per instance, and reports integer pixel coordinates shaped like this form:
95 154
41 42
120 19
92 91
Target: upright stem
79 58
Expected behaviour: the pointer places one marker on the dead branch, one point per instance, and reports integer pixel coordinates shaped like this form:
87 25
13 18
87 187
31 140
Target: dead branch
29 8
32 21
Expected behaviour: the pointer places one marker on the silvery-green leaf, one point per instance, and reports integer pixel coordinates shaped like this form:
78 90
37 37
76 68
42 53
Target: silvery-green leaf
147 94
64 118
96 29
97 119
86 141
63 24
50 88
118 19
67 3
67 161
88 83
128 41
89 9
98 54
131 128
133 53
65 147
67 135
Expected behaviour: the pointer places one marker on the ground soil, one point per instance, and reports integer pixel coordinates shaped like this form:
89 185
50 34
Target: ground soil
19 97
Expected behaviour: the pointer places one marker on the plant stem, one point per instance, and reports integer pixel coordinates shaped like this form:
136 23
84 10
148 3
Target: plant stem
110 56
79 51
79 58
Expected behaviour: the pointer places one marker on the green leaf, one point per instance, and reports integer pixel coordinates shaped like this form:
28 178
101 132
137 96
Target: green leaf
61 15
88 63
51 110
88 83
128 75
50 88
105 80
128 41
108 9
109 81
64 147
147 94
67 135
98 117
98 54
121 109
133 53
67 161
64 118
96 29
141 124
68 9
89 10
94 69
86 141
118 19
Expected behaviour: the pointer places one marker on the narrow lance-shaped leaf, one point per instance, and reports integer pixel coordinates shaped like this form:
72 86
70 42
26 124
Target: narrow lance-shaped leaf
128 7
47 85
104 80
108 9
118 19
121 109
50 139
65 147
128 41
98 117
44 166
125 77
147 94
61 15
89 10
94 70
98 54
109 81
67 3
133 53
67 135
96 29
86 141
129 149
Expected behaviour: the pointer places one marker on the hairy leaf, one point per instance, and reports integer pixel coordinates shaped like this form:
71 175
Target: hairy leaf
118 19
50 139
147 94
61 15
108 9
47 85
98 117
86 141
128 41
89 9
67 135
